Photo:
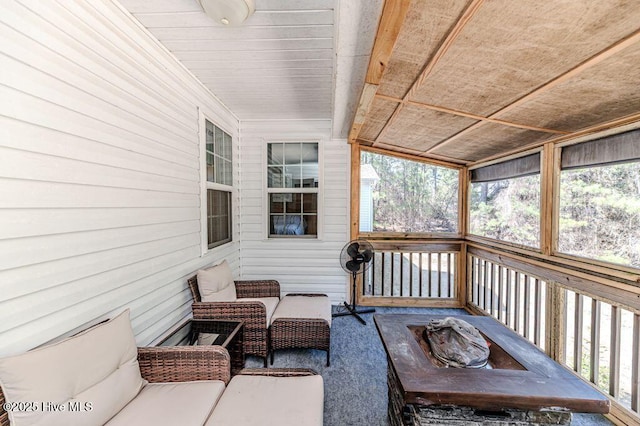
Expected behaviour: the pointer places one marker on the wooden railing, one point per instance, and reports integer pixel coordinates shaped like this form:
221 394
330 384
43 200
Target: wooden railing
516 299
413 271
570 318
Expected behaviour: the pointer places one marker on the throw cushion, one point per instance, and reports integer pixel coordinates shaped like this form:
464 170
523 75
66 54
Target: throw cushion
216 284
313 307
181 403
90 376
284 401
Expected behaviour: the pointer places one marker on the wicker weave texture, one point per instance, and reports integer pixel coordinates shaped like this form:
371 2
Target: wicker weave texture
4 416
278 372
303 333
244 288
184 363
173 364
254 314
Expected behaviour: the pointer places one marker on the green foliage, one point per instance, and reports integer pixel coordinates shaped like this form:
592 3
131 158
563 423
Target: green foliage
600 213
413 196
507 210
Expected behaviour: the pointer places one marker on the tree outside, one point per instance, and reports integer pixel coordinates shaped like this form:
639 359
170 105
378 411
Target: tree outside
507 210
600 213
412 196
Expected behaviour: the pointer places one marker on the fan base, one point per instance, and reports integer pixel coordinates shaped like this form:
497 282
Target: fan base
354 310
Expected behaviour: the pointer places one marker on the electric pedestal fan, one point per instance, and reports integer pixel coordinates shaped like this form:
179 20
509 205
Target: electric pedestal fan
355 258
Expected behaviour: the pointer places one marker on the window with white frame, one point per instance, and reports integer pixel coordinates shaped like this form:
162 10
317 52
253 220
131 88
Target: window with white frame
219 171
292 189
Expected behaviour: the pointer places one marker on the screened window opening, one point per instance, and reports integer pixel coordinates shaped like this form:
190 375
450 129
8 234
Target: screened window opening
399 195
600 200
219 175
292 189
505 201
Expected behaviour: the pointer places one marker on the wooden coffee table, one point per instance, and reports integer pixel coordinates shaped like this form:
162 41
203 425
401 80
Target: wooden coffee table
227 334
523 383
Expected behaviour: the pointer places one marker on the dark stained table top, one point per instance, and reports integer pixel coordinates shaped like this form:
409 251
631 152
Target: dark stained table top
533 382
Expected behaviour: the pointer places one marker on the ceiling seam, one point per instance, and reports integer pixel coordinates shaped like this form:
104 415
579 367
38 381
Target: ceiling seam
452 35
588 63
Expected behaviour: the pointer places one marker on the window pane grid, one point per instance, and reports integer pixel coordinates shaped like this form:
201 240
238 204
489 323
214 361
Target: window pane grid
218 217
292 166
219 155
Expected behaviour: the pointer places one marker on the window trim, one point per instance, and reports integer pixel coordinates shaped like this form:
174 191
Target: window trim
203 117
266 214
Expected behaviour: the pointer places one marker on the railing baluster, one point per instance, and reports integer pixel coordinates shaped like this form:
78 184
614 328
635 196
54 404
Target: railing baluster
577 335
383 279
508 304
474 280
429 277
485 284
516 310
614 355
393 275
537 319
527 306
439 293
451 260
400 255
411 274
595 342
500 294
491 287
635 367
372 274
420 274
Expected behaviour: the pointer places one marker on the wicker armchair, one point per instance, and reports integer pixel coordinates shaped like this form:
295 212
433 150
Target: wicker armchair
253 313
173 364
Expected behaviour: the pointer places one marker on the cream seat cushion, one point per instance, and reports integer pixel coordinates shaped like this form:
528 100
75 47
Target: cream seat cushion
312 307
262 400
216 284
270 303
184 403
98 366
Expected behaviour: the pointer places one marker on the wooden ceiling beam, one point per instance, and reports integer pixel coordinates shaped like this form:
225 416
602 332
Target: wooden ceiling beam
452 35
391 20
470 115
412 154
588 63
592 130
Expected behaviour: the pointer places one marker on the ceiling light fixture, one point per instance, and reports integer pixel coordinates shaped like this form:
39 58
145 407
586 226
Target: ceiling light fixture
228 12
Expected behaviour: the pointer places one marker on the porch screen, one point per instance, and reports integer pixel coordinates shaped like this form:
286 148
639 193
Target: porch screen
616 149
599 208
518 167
505 201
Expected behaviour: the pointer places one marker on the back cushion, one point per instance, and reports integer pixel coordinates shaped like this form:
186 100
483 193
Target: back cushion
88 377
216 284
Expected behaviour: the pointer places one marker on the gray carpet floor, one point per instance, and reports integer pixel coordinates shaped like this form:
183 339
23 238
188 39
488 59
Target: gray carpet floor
355 383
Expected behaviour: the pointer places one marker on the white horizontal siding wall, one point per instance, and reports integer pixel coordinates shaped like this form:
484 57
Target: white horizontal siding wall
99 173
300 265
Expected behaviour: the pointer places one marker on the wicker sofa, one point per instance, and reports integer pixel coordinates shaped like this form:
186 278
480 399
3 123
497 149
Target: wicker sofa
100 377
255 301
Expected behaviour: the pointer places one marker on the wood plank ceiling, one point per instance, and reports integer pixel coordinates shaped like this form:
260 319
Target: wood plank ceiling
279 64
470 80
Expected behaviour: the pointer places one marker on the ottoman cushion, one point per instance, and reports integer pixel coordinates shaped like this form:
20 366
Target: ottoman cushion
312 307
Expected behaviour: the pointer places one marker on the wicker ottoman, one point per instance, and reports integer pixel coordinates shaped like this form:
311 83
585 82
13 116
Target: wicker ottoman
301 321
